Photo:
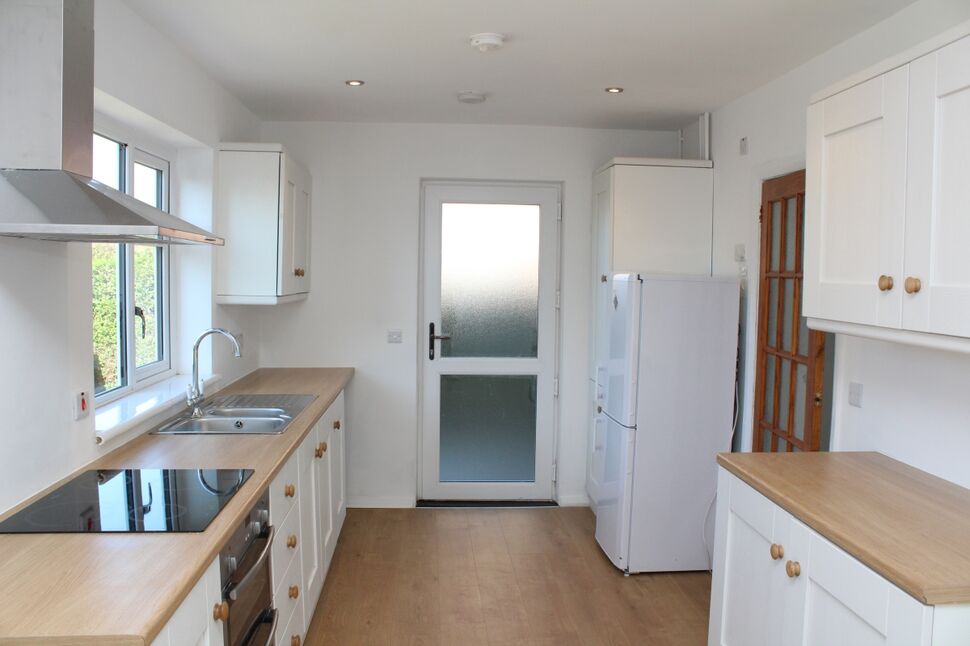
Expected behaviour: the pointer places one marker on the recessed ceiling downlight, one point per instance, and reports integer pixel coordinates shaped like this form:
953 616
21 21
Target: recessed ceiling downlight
614 90
471 97
354 82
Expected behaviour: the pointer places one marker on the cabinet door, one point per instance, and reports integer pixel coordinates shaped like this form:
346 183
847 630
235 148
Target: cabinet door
938 193
855 202
603 261
294 229
746 603
662 219
338 465
324 495
310 539
837 600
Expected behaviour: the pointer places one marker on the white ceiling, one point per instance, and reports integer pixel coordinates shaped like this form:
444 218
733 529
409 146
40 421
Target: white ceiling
288 59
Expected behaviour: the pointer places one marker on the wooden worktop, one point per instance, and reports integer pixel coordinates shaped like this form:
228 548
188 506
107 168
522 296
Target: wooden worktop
123 588
909 526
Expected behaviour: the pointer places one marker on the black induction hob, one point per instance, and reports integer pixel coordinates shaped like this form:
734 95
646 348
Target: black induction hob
131 500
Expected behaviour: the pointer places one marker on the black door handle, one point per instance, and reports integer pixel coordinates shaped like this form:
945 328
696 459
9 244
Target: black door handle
432 338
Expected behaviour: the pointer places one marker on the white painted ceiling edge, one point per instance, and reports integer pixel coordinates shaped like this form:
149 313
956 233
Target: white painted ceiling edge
288 61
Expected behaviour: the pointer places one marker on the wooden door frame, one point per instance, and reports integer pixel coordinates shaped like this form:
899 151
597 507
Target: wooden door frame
782 189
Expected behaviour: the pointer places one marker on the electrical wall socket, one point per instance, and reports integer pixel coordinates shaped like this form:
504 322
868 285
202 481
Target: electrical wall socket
82 405
739 252
855 394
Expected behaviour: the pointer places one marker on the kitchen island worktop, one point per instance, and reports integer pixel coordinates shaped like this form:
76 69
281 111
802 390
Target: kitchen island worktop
905 524
123 588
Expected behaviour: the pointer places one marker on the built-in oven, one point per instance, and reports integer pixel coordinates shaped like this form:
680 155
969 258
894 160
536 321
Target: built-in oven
244 565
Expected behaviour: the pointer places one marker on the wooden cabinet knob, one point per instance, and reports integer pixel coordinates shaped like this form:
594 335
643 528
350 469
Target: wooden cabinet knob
291 541
295 640
320 450
777 552
294 591
289 490
220 612
912 285
793 569
885 283
336 425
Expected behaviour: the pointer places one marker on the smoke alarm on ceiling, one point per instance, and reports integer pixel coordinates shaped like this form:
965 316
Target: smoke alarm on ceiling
471 97
487 41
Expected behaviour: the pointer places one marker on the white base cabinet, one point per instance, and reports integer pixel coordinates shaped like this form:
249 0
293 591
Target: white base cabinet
778 582
307 507
193 623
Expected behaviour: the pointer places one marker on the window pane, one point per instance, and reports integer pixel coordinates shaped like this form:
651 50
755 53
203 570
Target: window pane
147 185
107 278
108 162
148 304
488 428
490 280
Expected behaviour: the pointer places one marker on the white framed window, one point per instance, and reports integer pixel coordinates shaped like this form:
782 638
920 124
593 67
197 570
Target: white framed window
130 282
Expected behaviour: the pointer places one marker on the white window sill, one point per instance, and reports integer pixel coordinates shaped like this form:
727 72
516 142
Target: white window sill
125 413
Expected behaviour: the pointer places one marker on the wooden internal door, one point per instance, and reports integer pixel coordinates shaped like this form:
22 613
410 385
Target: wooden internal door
788 403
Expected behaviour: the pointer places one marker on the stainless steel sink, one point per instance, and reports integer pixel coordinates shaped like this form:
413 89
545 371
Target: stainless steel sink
239 414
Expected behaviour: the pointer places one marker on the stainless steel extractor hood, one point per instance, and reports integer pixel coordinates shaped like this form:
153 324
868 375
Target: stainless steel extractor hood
46 128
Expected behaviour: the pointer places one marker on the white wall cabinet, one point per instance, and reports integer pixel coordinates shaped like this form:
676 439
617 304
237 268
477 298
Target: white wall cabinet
651 216
305 498
263 202
887 201
193 623
776 581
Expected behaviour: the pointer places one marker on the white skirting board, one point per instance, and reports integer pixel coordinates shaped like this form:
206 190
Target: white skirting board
381 502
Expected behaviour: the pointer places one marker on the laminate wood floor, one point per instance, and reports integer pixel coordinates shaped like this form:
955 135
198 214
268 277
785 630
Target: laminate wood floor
470 577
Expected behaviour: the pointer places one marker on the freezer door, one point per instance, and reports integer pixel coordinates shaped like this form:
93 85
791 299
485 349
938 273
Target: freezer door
623 359
614 491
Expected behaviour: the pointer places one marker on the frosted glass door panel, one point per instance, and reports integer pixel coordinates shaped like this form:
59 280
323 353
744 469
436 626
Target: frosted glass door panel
488 428
490 280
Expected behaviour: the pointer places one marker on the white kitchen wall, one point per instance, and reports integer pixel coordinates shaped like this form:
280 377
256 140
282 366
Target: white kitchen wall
365 272
773 120
45 287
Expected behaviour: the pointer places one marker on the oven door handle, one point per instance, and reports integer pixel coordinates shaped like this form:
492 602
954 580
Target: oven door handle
234 589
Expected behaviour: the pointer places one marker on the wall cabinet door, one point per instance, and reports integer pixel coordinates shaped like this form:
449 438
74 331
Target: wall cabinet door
938 193
855 209
835 599
262 203
294 229
746 599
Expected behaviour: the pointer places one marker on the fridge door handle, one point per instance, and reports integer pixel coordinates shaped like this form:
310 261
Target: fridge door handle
432 337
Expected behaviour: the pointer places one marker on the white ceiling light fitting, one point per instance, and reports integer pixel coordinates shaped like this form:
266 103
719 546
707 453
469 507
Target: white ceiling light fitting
614 90
471 97
354 82
486 41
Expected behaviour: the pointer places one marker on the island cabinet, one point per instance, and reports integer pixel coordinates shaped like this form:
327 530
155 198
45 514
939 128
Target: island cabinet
886 227
777 580
262 205
307 508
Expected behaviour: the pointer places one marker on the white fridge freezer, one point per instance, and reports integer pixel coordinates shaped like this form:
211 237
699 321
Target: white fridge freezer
667 399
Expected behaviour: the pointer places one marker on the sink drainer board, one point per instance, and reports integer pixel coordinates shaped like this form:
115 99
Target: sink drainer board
293 404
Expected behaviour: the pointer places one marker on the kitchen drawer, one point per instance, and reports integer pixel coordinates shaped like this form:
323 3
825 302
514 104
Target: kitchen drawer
282 555
294 628
279 503
291 610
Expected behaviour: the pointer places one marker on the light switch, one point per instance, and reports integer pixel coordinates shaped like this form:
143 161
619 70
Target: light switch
394 336
855 394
